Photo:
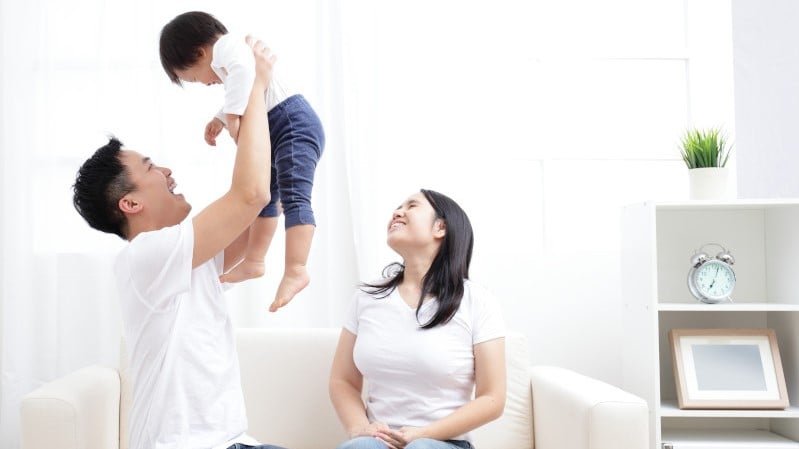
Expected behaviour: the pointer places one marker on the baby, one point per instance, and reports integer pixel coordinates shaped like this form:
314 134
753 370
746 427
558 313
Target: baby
196 47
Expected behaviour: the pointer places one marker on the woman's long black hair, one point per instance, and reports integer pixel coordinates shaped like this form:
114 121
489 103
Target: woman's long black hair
449 269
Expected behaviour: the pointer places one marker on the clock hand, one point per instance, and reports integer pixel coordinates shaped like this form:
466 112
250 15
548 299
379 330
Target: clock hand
715 276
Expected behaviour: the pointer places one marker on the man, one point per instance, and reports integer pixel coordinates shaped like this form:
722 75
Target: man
186 382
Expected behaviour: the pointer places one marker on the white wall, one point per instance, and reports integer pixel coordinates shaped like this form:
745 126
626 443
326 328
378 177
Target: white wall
766 65
542 119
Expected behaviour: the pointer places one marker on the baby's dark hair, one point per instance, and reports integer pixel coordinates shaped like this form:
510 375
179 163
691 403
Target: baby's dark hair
183 37
101 182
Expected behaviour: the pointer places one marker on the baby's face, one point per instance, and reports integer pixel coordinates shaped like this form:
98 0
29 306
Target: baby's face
199 72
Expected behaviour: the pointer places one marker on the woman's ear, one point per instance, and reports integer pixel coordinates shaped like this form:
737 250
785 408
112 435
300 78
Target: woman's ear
439 228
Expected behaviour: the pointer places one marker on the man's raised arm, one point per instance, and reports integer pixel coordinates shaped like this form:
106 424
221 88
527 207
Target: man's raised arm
222 221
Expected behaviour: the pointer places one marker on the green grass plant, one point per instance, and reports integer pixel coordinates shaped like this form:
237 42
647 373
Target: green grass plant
702 148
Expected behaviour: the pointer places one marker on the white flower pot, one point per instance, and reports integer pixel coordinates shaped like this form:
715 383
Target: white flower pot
708 183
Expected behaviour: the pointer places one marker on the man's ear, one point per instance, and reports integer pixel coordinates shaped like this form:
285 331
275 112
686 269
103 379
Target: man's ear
129 205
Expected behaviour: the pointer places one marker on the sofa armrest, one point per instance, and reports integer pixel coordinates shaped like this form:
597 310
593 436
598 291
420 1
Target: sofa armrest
573 411
77 411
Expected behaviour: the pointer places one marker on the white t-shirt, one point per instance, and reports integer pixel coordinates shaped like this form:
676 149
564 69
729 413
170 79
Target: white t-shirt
234 64
417 376
183 363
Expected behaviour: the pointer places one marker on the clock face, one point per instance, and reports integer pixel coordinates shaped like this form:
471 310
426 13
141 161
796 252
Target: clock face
714 279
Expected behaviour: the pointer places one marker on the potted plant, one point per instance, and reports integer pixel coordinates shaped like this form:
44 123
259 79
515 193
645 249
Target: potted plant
705 152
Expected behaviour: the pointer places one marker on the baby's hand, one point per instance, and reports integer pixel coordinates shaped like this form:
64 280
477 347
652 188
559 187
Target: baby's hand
212 130
233 122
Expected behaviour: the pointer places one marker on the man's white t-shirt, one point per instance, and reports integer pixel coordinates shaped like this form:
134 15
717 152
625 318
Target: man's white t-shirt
179 336
417 376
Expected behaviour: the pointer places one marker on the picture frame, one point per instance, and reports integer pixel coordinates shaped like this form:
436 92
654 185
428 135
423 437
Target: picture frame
728 369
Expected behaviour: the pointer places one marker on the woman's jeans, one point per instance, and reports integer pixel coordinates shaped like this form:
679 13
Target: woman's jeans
247 446
421 443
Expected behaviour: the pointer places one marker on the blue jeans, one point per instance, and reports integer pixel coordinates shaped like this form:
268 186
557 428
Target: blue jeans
421 443
298 140
247 446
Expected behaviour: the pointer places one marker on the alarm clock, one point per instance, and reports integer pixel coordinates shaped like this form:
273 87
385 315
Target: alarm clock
711 280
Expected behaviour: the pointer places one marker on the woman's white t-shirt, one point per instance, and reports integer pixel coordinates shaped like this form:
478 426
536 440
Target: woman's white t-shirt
417 376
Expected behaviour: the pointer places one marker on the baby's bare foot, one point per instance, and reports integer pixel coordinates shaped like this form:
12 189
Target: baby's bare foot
294 280
249 269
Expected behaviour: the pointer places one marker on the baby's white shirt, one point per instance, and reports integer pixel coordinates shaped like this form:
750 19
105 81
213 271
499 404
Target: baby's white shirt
234 64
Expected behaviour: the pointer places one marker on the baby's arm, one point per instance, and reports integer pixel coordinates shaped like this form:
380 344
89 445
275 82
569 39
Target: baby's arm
233 122
212 130
220 121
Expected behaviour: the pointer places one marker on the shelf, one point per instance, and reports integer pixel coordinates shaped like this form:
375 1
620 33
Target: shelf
672 410
727 307
728 439
658 239
725 205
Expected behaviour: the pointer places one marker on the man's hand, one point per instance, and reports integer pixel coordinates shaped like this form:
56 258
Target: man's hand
264 62
368 431
212 130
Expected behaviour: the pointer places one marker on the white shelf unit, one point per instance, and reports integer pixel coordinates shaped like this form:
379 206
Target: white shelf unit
658 240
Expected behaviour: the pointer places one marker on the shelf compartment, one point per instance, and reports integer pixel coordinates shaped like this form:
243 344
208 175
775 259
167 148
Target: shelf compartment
725 438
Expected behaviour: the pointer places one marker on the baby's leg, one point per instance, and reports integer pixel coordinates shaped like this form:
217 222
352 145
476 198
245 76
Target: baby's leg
295 276
261 232
300 145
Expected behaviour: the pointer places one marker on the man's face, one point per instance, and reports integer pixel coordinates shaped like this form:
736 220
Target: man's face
153 196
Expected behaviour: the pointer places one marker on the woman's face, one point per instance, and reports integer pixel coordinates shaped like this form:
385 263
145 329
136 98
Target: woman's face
414 225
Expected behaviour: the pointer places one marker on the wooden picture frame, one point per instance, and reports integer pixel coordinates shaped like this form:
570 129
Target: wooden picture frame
728 369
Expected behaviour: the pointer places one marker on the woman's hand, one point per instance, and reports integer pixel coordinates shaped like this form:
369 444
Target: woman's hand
370 430
398 439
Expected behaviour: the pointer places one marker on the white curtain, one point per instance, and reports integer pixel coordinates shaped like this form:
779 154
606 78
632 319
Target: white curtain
75 72
540 118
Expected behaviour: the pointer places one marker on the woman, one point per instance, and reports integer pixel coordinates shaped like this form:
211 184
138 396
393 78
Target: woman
424 339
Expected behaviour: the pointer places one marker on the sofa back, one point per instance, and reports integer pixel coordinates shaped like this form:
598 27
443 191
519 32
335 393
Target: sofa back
284 375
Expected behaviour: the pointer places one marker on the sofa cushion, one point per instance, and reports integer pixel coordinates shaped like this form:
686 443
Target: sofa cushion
284 375
514 429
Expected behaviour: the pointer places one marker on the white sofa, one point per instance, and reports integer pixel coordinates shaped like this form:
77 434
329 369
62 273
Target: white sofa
284 375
